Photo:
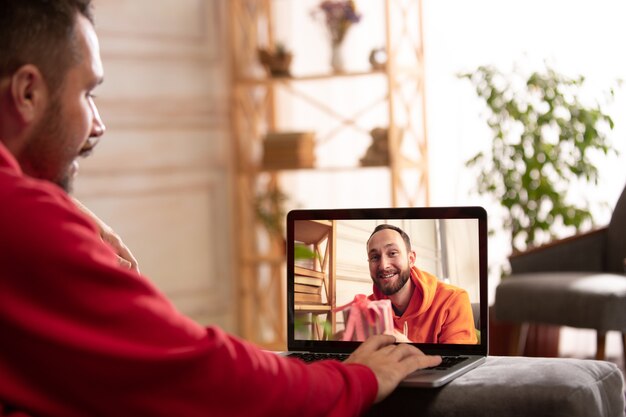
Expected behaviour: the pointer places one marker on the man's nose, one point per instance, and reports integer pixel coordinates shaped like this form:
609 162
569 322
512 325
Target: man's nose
384 262
98 127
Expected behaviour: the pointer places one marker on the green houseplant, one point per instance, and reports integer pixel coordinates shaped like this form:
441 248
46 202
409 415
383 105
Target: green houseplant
544 140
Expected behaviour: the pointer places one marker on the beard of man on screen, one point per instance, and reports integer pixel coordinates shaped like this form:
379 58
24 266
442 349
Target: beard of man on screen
425 309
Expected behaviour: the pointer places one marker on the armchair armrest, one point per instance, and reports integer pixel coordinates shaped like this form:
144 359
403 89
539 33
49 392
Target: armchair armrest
582 252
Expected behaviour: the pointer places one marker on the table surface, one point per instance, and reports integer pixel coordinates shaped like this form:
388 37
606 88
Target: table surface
517 386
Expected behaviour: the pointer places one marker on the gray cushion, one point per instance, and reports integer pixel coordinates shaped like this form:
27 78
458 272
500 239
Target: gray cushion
584 300
583 252
518 387
616 244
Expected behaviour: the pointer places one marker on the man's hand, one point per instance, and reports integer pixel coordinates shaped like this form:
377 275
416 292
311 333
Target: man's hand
124 255
389 362
400 337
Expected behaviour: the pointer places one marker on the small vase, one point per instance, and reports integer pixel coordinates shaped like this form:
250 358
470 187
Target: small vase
336 58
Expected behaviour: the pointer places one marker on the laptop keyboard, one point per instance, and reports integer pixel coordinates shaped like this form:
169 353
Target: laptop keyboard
446 361
312 357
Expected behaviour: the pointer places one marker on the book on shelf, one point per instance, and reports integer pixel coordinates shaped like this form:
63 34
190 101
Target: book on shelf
270 162
308 285
308 289
289 137
307 298
299 270
304 280
284 153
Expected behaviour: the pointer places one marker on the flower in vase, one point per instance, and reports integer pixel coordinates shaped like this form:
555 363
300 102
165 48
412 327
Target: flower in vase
338 15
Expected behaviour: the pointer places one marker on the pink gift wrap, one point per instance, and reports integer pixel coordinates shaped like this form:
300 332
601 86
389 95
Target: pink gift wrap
364 318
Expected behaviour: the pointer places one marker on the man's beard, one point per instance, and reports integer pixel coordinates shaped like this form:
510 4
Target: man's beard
396 285
66 183
45 134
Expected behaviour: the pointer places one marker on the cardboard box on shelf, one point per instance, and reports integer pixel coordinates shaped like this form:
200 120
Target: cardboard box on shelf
289 150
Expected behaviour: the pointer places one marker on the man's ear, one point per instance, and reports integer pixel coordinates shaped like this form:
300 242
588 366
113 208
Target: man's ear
29 93
412 257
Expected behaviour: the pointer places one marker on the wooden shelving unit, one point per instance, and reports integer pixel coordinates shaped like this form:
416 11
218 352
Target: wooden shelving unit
260 268
315 292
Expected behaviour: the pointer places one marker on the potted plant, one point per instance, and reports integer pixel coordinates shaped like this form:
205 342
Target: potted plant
269 207
544 140
544 136
277 61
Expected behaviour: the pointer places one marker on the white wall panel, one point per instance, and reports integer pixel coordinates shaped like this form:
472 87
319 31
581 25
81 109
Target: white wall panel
160 175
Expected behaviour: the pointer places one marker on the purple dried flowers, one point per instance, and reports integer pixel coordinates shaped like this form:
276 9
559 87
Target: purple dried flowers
338 15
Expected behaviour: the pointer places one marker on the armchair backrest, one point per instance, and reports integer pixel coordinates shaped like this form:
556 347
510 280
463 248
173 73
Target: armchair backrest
616 238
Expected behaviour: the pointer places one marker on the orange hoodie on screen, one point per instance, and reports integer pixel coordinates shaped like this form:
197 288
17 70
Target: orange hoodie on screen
437 312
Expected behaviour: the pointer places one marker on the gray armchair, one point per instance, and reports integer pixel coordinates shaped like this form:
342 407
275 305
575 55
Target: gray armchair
578 282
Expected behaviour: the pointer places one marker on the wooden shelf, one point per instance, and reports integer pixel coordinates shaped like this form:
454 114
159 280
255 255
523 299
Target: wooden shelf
311 232
310 308
397 97
320 236
311 77
316 170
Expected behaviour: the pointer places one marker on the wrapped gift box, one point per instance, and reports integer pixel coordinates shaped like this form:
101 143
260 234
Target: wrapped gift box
364 318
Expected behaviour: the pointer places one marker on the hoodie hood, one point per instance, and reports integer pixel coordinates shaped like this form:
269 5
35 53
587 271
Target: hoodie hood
424 291
437 312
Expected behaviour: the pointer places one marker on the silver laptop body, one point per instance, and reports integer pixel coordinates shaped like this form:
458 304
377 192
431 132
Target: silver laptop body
327 266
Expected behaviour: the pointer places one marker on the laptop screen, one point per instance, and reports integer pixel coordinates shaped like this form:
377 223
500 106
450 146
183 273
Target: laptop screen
418 273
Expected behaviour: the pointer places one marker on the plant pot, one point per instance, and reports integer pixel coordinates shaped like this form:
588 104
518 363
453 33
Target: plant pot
276 64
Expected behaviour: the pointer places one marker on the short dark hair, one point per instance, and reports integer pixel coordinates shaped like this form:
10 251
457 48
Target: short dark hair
41 33
405 237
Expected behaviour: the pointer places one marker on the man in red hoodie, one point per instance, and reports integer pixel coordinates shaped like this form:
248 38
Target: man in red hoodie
84 335
425 309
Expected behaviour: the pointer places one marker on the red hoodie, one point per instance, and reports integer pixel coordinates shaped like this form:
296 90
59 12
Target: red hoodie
80 336
437 312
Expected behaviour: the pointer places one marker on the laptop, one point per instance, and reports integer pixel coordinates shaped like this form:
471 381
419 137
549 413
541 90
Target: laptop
328 266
